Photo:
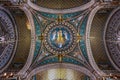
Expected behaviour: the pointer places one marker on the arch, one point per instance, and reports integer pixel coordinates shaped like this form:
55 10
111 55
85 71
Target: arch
62 65
32 47
87 40
7 56
71 10
106 25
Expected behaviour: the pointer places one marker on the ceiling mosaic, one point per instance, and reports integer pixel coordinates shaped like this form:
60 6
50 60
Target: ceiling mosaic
68 35
60 35
60 38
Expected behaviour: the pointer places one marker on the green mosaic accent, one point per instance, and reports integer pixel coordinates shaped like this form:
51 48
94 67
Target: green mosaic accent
49 15
71 15
50 60
55 16
83 26
37 32
64 60
37 48
71 60
83 49
82 42
37 27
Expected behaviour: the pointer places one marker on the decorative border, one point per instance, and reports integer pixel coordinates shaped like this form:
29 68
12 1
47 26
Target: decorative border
87 40
7 54
106 25
69 47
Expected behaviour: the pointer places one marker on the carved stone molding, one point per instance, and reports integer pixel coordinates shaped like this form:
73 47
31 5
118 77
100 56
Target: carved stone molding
112 38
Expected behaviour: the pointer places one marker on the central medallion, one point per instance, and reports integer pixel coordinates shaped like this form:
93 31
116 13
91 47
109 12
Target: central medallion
60 38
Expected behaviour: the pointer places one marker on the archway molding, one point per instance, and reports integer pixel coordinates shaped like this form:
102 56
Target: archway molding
60 65
64 11
87 40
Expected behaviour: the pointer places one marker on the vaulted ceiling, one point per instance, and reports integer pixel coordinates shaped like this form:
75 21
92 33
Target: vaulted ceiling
60 34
